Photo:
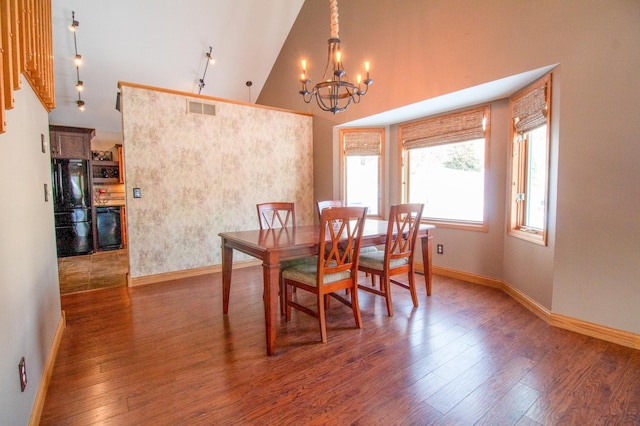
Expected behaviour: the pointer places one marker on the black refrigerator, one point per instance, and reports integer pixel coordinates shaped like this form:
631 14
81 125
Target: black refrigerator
72 206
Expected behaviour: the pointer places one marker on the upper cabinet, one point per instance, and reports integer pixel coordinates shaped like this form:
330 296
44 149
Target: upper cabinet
71 142
107 171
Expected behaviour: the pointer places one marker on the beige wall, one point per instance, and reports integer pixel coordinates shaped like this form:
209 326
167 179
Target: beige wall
29 290
201 175
421 50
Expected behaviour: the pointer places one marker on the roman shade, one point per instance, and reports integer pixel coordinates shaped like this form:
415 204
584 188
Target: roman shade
530 107
362 142
444 129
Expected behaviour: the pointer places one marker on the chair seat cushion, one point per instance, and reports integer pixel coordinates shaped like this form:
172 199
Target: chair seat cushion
375 260
293 262
368 249
306 273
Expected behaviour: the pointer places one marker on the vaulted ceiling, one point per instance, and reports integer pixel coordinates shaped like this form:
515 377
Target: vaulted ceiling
163 44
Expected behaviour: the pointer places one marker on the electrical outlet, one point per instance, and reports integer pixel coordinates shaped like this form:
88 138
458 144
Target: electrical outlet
22 369
137 193
440 249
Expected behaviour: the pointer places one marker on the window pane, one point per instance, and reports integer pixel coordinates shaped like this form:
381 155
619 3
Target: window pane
362 182
536 184
449 180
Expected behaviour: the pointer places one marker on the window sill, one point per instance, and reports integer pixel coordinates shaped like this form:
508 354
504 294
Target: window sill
467 226
536 237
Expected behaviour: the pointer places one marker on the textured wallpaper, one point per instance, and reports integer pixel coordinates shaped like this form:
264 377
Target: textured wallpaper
200 175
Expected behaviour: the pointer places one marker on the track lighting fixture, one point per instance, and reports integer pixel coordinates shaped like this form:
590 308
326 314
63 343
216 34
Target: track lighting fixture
77 61
74 23
210 60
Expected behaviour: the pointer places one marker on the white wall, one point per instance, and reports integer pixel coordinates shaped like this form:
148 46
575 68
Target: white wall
29 289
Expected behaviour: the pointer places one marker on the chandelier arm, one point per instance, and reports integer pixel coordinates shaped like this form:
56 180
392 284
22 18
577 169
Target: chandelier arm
334 88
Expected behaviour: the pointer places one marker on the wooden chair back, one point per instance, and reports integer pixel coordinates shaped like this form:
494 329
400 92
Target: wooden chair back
340 237
326 204
402 232
276 215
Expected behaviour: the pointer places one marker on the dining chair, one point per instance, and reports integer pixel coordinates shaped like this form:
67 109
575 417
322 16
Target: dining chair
336 267
327 204
280 215
276 215
397 256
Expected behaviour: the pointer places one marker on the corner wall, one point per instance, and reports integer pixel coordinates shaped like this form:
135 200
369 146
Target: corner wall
425 49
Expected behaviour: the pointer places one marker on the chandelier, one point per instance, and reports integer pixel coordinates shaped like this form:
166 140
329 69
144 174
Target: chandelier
334 94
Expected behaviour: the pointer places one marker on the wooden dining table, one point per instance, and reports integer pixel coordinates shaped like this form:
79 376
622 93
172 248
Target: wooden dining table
275 245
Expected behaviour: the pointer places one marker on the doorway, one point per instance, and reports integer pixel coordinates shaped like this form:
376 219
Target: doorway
101 269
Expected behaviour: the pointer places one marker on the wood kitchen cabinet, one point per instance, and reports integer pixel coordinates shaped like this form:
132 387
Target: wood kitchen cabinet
123 225
70 142
108 172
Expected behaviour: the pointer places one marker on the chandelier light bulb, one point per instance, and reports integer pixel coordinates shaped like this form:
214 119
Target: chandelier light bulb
80 86
80 103
77 60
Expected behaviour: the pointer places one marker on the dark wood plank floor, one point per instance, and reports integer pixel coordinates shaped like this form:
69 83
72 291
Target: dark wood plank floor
165 354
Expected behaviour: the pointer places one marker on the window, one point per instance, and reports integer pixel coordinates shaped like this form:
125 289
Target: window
530 161
361 156
444 167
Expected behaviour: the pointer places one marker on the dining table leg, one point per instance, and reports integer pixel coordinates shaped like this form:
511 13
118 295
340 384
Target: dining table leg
227 266
271 279
426 259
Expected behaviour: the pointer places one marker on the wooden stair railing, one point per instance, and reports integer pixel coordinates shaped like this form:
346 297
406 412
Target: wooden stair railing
26 47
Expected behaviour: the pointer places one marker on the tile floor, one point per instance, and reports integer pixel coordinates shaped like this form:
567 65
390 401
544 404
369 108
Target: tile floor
93 271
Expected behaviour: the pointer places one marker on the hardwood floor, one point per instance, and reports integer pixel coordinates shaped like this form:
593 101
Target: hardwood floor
165 354
93 271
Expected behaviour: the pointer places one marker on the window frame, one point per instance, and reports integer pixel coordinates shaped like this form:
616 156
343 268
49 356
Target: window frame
381 167
519 168
404 154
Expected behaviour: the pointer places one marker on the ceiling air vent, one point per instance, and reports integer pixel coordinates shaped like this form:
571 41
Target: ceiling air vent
194 107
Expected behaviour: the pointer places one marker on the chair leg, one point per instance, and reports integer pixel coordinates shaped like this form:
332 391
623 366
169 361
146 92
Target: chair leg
283 300
412 289
287 307
356 307
385 281
321 318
